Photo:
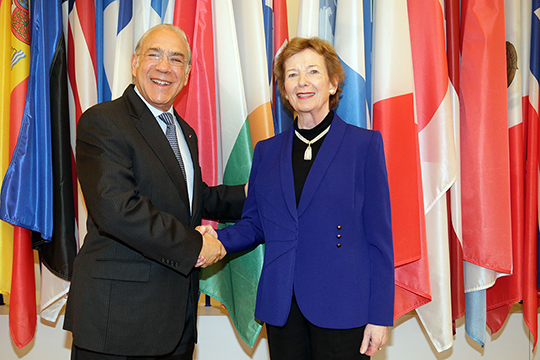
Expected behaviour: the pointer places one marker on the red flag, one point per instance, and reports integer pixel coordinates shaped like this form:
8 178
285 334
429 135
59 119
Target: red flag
456 249
393 115
484 137
509 289
197 103
454 218
281 28
22 308
485 164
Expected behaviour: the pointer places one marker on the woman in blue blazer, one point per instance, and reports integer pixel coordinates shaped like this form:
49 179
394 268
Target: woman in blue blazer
318 198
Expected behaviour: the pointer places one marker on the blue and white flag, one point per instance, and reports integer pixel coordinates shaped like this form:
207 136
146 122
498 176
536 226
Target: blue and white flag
352 42
128 20
347 26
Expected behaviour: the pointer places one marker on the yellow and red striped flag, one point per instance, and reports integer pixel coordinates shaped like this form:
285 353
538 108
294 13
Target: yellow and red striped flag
22 312
6 230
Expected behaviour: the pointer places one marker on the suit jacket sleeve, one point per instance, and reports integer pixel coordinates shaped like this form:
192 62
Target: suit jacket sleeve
105 167
378 227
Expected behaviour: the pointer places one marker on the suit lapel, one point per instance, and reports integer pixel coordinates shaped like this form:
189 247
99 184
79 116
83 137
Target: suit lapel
191 140
326 154
149 129
286 173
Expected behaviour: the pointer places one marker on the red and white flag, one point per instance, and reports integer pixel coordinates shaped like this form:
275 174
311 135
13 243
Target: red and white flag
438 158
393 115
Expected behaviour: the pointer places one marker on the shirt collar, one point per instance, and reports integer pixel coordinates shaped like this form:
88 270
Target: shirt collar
155 111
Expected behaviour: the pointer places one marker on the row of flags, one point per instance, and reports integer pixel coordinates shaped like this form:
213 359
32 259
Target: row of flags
452 86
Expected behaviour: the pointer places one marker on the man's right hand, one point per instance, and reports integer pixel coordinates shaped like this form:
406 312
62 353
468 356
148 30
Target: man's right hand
212 250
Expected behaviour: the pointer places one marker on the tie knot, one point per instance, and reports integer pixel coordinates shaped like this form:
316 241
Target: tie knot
167 118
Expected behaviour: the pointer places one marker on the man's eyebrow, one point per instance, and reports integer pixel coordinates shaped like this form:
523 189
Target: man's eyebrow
160 50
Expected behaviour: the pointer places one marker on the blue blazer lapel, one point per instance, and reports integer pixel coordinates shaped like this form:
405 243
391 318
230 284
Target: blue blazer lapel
326 154
286 173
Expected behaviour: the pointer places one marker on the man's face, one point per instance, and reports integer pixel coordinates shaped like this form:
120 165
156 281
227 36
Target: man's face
161 69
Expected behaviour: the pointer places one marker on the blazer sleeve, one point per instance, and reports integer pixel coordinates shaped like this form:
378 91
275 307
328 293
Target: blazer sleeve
105 154
246 233
378 227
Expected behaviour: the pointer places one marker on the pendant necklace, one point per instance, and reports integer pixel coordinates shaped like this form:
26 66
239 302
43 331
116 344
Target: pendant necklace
307 153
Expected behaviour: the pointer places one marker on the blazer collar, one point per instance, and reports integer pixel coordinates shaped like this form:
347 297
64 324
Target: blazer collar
320 166
150 130
286 173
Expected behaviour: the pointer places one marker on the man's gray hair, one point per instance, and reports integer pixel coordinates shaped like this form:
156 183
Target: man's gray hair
174 28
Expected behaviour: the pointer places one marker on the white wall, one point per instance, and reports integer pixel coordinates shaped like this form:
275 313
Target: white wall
218 340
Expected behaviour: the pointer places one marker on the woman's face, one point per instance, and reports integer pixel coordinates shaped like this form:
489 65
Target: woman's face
307 85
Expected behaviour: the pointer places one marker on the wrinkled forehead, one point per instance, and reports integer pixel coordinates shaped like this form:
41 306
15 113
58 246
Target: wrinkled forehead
165 40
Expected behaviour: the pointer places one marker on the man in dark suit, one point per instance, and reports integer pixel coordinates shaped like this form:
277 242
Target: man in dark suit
135 283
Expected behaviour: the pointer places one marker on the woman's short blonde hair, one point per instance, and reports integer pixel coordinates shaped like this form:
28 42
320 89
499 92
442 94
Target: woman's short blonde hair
321 47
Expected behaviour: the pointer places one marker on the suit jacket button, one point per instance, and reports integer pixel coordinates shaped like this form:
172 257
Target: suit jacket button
338 236
338 245
339 227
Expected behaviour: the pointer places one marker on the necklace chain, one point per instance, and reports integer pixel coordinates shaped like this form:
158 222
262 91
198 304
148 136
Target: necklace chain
307 153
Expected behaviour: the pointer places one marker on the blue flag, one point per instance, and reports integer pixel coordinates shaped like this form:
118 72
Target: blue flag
26 198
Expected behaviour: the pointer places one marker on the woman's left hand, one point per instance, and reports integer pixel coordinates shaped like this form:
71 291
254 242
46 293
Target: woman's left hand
375 337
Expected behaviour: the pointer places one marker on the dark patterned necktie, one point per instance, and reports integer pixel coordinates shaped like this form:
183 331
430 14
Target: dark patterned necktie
168 119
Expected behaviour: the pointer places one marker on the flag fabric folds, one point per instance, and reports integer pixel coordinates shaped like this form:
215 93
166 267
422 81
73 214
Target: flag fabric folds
283 117
6 67
28 190
18 270
508 289
454 196
234 280
82 79
485 168
127 20
57 256
531 16
197 102
438 159
393 116
352 41
27 186
451 85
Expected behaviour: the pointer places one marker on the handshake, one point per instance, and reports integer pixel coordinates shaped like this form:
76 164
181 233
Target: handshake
212 249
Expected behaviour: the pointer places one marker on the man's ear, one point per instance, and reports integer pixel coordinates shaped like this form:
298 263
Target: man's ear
188 71
134 64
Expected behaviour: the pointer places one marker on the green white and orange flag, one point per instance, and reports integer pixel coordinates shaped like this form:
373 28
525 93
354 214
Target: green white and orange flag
251 45
244 117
